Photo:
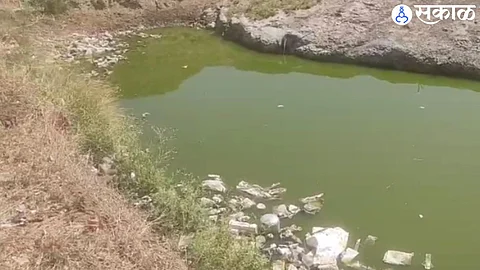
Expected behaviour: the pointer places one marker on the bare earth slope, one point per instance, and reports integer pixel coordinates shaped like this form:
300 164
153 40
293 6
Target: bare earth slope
362 32
55 212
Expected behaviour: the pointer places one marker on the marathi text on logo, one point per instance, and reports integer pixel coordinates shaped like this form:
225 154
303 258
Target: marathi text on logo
441 12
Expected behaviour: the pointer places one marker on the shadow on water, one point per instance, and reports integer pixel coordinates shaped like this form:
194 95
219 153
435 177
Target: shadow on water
181 53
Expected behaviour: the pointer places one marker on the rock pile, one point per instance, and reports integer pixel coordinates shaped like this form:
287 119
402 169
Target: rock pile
322 248
104 50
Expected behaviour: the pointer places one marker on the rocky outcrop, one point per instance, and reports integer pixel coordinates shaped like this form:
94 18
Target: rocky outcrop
363 33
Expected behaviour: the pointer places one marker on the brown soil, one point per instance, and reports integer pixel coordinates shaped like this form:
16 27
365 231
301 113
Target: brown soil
55 213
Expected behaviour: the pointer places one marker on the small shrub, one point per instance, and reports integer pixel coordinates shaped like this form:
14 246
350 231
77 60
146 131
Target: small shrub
98 4
132 4
51 7
215 248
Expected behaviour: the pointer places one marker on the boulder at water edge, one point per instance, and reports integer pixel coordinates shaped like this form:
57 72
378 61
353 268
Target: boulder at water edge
327 245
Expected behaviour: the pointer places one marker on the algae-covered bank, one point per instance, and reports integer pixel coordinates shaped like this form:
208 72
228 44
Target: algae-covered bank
395 153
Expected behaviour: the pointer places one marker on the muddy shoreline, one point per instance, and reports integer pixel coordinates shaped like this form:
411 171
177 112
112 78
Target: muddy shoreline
361 34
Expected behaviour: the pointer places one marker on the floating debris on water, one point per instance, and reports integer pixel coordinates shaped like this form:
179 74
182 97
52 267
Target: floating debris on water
427 264
357 244
370 240
398 257
280 106
420 216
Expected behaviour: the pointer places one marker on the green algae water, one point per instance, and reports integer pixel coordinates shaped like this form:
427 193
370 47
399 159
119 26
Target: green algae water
387 148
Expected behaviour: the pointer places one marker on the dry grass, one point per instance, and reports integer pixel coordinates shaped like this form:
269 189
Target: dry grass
56 213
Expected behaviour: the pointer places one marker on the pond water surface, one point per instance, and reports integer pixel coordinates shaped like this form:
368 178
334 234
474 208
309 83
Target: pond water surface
385 147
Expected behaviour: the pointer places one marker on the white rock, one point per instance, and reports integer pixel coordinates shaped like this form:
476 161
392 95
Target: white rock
253 190
247 203
261 206
281 211
270 221
214 185
217 198
398 257
243 227
293 209
311 199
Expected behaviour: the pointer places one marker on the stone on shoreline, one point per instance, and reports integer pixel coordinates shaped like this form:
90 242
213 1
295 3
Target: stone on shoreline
243 227
314 198
323 33
217 198
270 222
214 185
293 209
281 211
313 207
247 203
327 245
261 206
253 190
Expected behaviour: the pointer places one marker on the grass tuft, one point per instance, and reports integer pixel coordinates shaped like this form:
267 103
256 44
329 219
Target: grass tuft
215 249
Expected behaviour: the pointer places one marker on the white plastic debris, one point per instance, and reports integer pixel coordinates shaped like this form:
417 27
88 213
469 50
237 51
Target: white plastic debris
370 240
349 255
280 106
317 229
357 244
420 216
427 264
214 176
422 107
327 244
398 257
184 67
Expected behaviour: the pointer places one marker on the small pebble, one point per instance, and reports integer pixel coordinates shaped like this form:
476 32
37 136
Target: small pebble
261 206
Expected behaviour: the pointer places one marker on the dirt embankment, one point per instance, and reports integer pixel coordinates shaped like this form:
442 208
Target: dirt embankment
362 32
55 211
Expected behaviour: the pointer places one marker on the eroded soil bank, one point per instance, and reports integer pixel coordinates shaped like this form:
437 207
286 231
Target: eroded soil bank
363 33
